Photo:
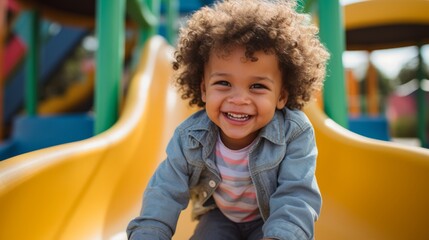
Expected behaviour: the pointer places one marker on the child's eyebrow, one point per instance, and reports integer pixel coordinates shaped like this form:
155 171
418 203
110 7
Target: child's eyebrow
219 74
262 78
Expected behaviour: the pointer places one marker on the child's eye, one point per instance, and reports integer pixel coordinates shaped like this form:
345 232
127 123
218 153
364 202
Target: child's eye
258 86
222 83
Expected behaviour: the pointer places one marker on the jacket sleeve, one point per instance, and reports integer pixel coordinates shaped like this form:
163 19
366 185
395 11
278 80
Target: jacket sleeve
296 203
165 197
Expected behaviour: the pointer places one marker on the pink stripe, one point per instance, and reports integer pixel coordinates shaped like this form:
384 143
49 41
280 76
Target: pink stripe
235 208
230 161
231 194
233 178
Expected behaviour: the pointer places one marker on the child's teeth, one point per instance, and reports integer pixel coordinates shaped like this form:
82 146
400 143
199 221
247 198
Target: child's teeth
238 116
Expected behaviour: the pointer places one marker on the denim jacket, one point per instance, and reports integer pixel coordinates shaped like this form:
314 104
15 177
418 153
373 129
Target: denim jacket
281 163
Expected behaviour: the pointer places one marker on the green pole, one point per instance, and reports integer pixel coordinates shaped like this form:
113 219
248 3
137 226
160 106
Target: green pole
172 17
31 64
142 12
332 35
421 108
110 33
305 6
155 7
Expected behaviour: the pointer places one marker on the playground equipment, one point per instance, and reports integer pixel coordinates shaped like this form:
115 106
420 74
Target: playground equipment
51 58
53 53
75 14
92 188
77 94
381 24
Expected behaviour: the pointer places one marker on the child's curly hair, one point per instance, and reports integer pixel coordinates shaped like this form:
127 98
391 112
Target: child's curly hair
264 25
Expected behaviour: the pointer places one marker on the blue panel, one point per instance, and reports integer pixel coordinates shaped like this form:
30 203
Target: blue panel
372 127
33 133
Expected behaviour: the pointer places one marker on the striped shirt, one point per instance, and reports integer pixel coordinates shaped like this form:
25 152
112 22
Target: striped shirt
236 194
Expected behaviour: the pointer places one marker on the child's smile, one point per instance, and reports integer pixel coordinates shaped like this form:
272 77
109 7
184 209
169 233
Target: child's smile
237 117
241 96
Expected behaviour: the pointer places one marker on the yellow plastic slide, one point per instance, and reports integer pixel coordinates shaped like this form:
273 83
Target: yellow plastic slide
371 189
92 188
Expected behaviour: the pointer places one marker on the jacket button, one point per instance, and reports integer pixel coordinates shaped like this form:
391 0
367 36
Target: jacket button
212 183
204 194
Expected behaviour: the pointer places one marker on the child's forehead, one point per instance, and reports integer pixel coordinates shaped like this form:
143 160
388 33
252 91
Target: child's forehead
224 50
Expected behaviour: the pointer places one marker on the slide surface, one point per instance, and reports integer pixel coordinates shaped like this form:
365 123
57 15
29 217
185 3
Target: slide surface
92 188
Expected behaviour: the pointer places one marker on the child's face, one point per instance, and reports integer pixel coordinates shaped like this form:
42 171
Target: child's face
241 96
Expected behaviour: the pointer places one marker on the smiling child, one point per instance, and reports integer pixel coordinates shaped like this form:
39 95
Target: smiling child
247 159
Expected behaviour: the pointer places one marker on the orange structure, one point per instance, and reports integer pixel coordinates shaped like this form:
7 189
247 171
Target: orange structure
373 101
353 93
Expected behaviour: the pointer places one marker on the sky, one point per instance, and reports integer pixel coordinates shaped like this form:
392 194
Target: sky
389 61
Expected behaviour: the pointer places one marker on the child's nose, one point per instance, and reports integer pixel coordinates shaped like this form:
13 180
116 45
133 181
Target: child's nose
239 97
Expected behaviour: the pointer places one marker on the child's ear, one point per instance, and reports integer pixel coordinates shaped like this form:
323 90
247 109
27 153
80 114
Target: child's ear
203 91
281 103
